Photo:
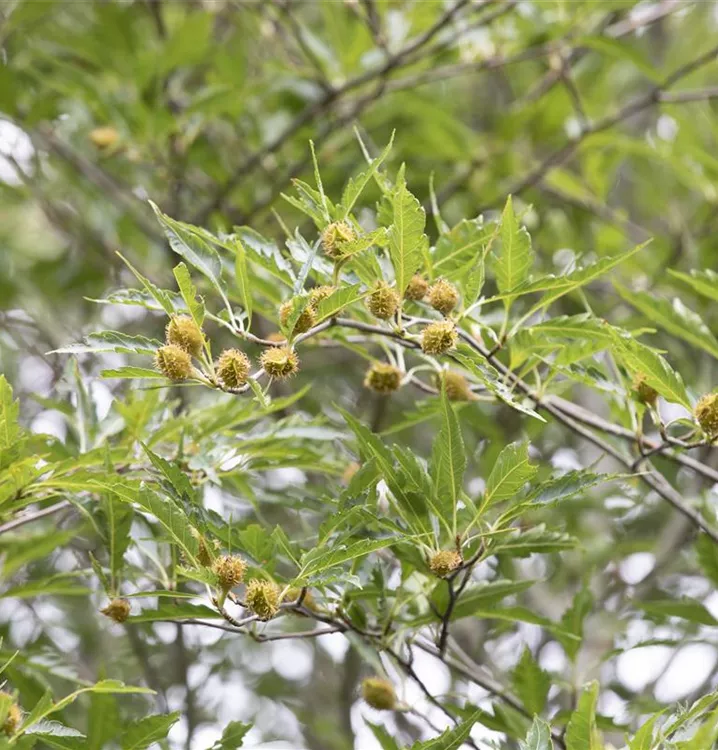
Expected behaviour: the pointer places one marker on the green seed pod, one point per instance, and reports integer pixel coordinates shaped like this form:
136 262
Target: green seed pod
443 296
438 338
445 561
417 289
642 391
117 610
383 377
379 693
13 720
182 331
280 362
383 302
456 386
706 413
304 322
318 293
174 363
229 570
233 368
262 599
335 236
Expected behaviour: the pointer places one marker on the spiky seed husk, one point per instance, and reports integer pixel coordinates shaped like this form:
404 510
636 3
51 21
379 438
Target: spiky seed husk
706 413
379 693
445 561
456 386
182 331
262 599
229 570
104 137
417 289
117 610
383 302
280 362
319 293
443 296
383 377
174 363
304 322
438 337
644 392
13 720
233 368
335 236
204 556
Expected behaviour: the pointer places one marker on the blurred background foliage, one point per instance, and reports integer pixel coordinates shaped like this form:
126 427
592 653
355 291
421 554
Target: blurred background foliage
207 108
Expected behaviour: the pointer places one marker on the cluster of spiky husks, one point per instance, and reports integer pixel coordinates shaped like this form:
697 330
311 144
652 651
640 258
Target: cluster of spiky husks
335 237
706 413
233 368
319 293
183 332
117 610
306 320
383 302
383 377
644 393
280 362
174 363
229 570
379 693
443 296
439 337
445 561
13 719
456 386
417 288
262 599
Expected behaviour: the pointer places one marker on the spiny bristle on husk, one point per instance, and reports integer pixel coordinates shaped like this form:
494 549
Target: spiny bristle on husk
383 302
229 570
306 320
117 610
233 368
13 718
439 337
417 288
445 561
335 236
379 693
280 362
706 413
319 293
174 363
644 393
443 296
262 599
182 331
383 377
456 386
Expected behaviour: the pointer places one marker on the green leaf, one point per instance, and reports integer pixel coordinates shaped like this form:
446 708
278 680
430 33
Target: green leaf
232 736
174 478
320 559
581 731
188 291
339 299
163 297
531 683
241 273
643 739
451 739
514 260
112 341
572 621
685 608
134 373
355 186
142 733
9 411
538 737
674 317
467 244
510 472
567 485
704 282
406 235
448 461
537 540
708 557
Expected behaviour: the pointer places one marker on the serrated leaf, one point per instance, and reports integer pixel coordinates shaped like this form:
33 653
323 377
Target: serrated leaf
538 737
266 253
451 739
133 372
112 341
188 291
406 235
685 608
567 485
337 301
241 274
643 739
9 412
448 461
537 540
572 620
581 731
704 282
531 683
707 551
467 244
175 478
324 558
162 297
510 472
514 260
232 737
355 186
142 733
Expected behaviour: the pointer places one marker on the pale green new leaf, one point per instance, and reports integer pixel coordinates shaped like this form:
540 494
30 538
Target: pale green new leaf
142 733
514 260
448 461
232 737
451 739
538 737
704 282
406 235
319 560
356 185
112 341
581 732
188 291
241 273
339 299
531 683
9 411
510 472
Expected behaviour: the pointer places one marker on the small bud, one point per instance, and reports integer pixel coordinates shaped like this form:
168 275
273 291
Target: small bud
351 469
383 302
438 338
319 293
174 363
117 610
379 693
706 413
229 570
643 392
304 322
233 368
445 561
417 289
456 386
13 720
383 377
262 599
279 362
335 236
104 137
443 296
182 331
